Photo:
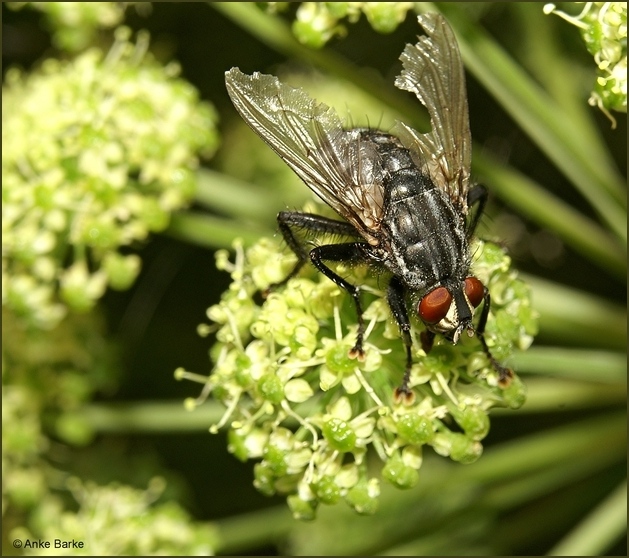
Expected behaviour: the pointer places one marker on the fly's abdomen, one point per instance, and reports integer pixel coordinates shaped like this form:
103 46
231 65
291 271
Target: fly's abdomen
426 234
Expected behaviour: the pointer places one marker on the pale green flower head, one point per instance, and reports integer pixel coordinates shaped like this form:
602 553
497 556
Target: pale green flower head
318 22
317 420
603 26
74 25
48 376
97 152
118 520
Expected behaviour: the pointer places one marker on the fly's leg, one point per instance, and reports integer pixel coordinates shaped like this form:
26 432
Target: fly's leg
352 252
395 296
504 374
289 220
427 338
476 195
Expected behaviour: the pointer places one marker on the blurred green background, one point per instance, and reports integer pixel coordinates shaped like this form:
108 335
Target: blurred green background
482 508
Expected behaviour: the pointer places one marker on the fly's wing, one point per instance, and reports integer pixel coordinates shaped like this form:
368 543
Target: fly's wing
432 69
310 138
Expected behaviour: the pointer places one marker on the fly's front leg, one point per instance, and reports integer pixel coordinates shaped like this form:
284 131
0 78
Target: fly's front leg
478 195
353 252
290 220
397 303
504 374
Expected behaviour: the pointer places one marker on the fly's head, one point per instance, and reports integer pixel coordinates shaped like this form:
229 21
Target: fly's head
448 309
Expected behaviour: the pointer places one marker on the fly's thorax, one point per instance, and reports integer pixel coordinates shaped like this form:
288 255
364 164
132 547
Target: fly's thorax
425 234
392 156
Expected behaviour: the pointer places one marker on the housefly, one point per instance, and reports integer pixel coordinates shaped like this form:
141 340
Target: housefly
404 198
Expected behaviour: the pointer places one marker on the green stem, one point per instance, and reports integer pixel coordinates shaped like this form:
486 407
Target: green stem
538 484
549 395
584 365
544 519
253 530
509 460
577 318
213 232
150 417
235 197
556 78
605 525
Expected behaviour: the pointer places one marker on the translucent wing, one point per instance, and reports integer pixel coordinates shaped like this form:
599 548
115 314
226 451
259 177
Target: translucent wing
432 69
334 163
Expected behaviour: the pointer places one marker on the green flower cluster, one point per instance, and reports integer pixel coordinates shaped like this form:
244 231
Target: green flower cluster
311 414
75 24
317 22
603 26
120 521
47 377
96 154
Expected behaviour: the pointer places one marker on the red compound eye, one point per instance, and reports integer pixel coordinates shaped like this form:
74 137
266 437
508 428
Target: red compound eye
474 291
435 305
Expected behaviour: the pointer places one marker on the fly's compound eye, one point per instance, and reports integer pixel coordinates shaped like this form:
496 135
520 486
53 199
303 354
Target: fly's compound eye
435 305
474 290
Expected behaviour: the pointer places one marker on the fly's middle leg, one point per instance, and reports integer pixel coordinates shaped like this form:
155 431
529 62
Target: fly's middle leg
289 222
353 252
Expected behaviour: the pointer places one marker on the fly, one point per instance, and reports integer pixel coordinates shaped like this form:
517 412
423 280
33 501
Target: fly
404 198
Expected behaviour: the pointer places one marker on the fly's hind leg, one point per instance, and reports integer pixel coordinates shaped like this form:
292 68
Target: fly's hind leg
477 195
